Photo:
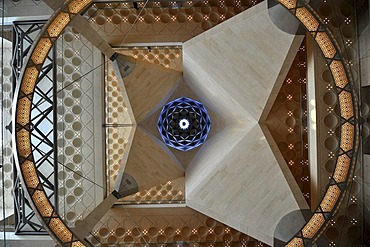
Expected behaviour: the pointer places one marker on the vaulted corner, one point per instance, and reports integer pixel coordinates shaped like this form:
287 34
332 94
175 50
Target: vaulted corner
232 166
148 87
145 88
285 126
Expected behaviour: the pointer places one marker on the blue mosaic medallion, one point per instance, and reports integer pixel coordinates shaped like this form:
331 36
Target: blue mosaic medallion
184 124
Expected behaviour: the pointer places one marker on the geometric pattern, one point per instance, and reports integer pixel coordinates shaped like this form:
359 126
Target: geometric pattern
349 110
183 19
26 162
309 231
170 227
6 105
6 180
184 124
77 138
43 112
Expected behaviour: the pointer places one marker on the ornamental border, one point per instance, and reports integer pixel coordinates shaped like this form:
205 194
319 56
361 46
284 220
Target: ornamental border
23 126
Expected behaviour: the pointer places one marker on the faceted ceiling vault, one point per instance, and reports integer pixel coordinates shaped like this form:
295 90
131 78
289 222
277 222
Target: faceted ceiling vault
241 167
240 164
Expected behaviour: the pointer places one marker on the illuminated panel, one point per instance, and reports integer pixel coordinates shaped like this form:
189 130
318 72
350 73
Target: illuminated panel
339 74
59 23
42 203
346 141
345 104
289 4
62 232
77 244
330 198
341 169
41 51
29 80
24 111
307 19
312 226
295 242
24 143
315 226
77 5
30 175
23 137
325 44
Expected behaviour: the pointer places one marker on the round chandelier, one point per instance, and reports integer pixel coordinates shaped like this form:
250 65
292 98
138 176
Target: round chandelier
184 124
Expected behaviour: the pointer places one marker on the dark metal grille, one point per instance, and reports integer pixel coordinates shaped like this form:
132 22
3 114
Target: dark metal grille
42 127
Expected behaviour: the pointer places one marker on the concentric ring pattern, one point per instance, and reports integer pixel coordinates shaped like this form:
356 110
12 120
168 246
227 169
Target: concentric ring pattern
184 124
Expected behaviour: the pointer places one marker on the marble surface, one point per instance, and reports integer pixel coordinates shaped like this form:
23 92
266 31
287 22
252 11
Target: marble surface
147 159
148 87
238 177
150 162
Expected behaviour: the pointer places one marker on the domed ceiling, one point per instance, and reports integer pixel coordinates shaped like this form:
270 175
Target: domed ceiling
239 174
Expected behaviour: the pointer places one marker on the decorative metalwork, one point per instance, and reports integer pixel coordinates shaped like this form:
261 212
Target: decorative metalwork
33 131
184 124
43 108
349 113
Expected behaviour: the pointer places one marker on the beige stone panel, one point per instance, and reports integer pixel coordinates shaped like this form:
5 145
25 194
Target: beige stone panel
235 65
150 162
237 68
149 86
211 153
243 187
120 173
297 193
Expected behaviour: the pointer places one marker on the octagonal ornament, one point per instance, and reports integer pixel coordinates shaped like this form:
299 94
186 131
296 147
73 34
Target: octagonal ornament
184 124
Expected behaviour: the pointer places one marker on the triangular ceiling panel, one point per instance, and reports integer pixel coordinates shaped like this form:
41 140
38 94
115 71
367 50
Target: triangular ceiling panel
150 163
148 86
237 166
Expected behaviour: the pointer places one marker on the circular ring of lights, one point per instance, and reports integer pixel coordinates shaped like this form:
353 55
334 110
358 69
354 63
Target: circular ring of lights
348 104
184 124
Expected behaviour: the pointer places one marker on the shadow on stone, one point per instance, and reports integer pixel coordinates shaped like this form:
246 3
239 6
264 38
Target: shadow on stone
283 19
289 225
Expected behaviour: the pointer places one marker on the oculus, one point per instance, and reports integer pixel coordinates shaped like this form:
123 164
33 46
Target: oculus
184 124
